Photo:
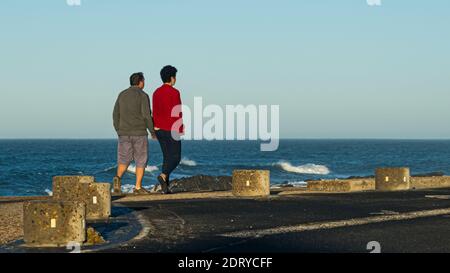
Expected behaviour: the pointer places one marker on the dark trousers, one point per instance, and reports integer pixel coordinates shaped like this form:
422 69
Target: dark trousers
171 150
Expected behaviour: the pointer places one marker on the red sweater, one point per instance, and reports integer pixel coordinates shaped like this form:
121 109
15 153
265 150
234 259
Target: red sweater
165 98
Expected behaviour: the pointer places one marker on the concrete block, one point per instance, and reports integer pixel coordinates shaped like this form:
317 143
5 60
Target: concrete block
96 196
392 179
53 223
348 185
430 182
74 179
117 186
251 183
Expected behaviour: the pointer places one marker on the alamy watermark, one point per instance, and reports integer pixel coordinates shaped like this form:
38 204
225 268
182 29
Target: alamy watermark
234 122
73 2
374 3
74 247
374 247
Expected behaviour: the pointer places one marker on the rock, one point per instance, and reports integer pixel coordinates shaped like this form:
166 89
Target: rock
198 183
432 174
286 185
93 237
361 177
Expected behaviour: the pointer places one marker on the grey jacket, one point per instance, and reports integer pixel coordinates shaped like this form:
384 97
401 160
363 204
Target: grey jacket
132 115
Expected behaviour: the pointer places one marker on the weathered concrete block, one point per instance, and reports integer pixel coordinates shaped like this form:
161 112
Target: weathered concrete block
347 185
392 179
53 223
251 183
117 186
74 179
430 182
96 196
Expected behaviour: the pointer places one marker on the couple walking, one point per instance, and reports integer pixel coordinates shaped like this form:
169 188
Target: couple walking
133 117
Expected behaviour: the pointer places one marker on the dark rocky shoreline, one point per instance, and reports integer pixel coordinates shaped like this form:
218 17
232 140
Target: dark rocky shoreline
199 183
207 183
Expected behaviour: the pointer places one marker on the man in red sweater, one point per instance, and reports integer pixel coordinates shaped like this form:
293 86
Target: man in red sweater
168 123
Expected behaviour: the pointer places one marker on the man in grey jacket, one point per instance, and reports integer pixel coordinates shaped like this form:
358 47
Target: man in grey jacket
132 118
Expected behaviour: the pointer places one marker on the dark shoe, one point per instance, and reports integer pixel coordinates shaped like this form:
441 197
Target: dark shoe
164 185
117 185
141 191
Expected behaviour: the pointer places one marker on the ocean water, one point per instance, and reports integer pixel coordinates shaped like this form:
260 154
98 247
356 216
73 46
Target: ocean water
27 166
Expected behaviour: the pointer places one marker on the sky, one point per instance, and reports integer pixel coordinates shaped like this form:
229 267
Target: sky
336 68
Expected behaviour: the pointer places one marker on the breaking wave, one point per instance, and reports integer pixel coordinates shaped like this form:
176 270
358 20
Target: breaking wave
298 183
303 169
148 169
295 184
187 162
132 169
128 188
110 168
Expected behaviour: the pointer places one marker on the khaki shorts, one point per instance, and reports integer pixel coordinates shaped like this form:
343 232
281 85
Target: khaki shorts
133 148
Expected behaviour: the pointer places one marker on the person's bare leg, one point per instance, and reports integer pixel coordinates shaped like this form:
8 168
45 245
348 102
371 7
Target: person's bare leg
121 169
164 176
139 177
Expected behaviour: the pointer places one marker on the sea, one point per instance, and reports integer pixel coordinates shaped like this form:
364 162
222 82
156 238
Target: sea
27 166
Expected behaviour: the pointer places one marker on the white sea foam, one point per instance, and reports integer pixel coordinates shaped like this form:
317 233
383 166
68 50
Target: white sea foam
49 192
110 168
187 162
295 184
298 183
128 188
303 169
148 169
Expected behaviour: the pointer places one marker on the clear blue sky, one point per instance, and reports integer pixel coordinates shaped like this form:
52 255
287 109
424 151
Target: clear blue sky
337 69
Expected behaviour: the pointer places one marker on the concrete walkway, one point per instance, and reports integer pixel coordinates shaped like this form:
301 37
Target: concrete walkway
287 221
412 221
